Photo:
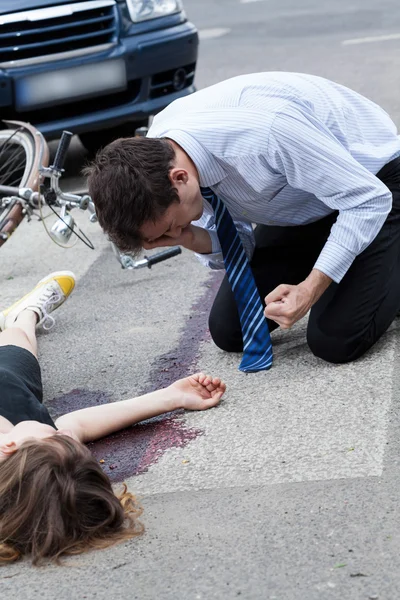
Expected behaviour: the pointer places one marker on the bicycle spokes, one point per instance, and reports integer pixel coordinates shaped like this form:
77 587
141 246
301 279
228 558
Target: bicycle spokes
12 162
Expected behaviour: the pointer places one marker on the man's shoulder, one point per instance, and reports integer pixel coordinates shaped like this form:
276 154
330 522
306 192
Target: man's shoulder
217 98
235 99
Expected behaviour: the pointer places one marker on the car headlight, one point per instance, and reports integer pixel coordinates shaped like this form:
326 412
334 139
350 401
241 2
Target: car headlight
143 10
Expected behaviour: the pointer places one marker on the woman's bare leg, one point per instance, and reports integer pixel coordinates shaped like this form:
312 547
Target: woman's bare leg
22 332
18 322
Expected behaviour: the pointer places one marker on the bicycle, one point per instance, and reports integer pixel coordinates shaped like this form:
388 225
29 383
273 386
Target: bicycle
24 167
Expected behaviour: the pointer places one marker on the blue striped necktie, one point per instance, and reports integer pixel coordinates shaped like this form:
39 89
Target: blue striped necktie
257 346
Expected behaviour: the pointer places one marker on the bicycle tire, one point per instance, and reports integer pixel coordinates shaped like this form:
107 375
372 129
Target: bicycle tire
25 137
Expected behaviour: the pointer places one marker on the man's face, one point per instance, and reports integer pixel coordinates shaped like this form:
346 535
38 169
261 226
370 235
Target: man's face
180 214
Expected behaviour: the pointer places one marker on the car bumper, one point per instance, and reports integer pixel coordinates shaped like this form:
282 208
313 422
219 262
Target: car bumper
160 68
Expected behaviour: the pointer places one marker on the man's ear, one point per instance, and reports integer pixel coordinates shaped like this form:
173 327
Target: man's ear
178 176
8 448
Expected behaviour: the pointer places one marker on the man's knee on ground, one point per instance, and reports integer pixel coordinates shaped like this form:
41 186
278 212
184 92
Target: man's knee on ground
225 336
335 350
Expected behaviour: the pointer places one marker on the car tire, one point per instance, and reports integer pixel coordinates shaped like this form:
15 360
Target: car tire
94 140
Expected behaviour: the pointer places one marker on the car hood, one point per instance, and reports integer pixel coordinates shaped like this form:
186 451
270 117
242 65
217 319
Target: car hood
12 6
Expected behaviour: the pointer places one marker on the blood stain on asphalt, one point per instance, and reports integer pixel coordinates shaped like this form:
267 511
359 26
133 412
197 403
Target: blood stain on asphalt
132 450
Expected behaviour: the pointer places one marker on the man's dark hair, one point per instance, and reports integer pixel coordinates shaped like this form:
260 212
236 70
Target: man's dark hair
129 184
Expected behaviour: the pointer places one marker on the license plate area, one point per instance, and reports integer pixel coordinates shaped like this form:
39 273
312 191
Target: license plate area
66 85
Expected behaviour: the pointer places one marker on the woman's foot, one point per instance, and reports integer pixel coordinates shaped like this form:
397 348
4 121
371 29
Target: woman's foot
46 296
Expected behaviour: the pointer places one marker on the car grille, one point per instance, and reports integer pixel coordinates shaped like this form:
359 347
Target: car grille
58 29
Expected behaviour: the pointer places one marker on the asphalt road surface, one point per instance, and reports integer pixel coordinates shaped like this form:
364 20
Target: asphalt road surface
288 490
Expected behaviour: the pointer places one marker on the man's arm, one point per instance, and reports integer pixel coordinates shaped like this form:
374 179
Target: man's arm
214 259
312 160
192 238
201 237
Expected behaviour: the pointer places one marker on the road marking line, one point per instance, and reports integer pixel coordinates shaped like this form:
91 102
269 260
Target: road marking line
209 34
369 40
248 1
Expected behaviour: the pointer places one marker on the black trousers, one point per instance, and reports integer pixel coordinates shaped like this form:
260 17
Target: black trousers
350 316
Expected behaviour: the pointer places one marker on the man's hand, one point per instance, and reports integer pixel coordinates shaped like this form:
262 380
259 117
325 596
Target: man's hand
191 237
198 392
287 304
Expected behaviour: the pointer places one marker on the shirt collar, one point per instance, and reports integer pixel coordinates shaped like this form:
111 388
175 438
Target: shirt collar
209 169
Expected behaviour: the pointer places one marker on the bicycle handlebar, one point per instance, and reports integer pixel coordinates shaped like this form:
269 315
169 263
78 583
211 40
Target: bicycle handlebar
62 150
160 256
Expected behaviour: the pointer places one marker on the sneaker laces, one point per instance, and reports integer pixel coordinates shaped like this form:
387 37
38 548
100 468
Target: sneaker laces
49 299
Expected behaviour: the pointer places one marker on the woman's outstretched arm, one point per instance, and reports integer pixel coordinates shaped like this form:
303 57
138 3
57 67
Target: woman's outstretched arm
197 392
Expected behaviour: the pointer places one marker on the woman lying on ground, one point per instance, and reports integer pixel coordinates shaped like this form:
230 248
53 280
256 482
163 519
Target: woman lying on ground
55 498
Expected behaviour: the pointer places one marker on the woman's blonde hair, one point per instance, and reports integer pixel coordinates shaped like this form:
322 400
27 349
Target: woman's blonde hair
56 500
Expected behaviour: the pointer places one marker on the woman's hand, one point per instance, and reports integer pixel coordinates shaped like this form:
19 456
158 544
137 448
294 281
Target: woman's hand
199 391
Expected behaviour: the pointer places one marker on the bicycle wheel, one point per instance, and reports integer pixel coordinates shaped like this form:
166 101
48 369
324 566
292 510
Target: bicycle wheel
19 167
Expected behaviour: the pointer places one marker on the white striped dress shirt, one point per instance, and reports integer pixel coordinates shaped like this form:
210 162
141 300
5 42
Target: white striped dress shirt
288 149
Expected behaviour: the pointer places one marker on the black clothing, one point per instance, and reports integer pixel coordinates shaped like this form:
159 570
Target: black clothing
350 316
21 392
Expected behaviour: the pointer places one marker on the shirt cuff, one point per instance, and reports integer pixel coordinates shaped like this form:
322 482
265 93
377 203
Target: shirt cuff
213 261
215 245
335 260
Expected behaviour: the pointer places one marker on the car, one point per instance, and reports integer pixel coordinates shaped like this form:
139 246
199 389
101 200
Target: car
99 68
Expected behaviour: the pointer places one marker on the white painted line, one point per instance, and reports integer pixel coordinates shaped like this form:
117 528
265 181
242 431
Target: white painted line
209 34
248 1
370 40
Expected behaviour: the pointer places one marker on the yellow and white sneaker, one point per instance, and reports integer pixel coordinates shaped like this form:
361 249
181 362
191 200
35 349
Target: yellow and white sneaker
46 296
